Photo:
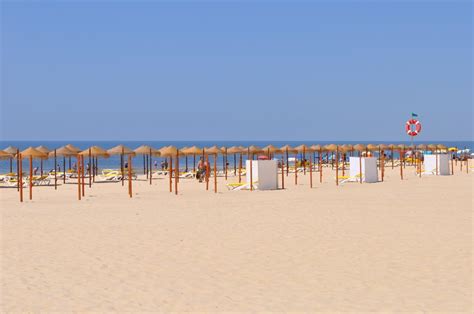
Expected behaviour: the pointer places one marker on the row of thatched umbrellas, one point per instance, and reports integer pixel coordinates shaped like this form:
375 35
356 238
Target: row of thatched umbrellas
172 152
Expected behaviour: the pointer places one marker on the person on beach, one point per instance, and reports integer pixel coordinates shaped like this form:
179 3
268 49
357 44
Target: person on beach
125 166
201 170
156 164
35 170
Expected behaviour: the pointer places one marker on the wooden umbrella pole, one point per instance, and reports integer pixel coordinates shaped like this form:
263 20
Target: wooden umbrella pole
360 166
144 164
194 163
225 163
64 169
320 166
235 164
41 166
382 165
282 172
207 172
150 166
343 163
11 165
90 168
215 173
31 177
56 171
170 173
251 174
296 169
240 167
186 161
147 165
121 167
287 163
78 177
304 160
176 179
401 164
337 165
311 171
130 175
83 185
18 170
20 176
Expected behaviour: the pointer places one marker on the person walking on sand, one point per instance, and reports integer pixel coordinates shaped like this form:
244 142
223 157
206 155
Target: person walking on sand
201 170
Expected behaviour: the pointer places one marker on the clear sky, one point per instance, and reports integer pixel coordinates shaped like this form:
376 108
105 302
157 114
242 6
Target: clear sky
288 70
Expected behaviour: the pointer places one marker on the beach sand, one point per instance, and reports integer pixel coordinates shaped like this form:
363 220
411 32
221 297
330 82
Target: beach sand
391 246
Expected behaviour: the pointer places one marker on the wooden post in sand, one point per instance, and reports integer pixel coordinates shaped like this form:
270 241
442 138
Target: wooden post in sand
382 166
18 170
360 166
320 165
215 173
20 176
150 167
90 168
282 172
176 175
337 164
225 165
401 163
129 175
56 172
78 177
170 173
311 171
304 160
31 177
240 167
287 163
82 176
296 168
208 169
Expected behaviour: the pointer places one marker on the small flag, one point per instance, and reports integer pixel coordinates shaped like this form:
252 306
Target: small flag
414 115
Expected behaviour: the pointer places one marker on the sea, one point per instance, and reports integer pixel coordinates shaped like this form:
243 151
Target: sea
114 160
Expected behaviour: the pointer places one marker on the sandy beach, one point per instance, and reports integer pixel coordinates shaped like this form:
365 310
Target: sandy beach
391 246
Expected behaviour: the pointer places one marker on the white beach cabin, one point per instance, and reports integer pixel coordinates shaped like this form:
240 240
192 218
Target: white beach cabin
264 174
430 164
369 169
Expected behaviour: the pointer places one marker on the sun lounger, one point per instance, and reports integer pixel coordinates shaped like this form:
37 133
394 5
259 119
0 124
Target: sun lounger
241 186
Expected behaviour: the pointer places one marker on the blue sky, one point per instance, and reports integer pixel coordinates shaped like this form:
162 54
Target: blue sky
288 70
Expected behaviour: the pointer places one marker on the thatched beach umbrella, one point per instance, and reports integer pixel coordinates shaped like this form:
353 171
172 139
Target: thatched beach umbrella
64 152
318 148
32 153
4 155
73 149
214 150
192 151
91 152
287 149
303 149
170 152
122 151
236 150
45 150
13 151
147 152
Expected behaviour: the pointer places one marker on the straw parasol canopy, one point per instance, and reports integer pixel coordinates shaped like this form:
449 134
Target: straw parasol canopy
422 146
95 151
213 150
442 147
271 149
33 152
168 151
73 148
234 150
372 147
11 150
43 149
401 146
289 148
359 147
62 151
193 150
302 148
432 147
252 149
383 147
144 149
5 155
331 147
120 149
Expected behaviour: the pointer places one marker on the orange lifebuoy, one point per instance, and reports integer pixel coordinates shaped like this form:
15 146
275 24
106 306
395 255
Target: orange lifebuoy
409 130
